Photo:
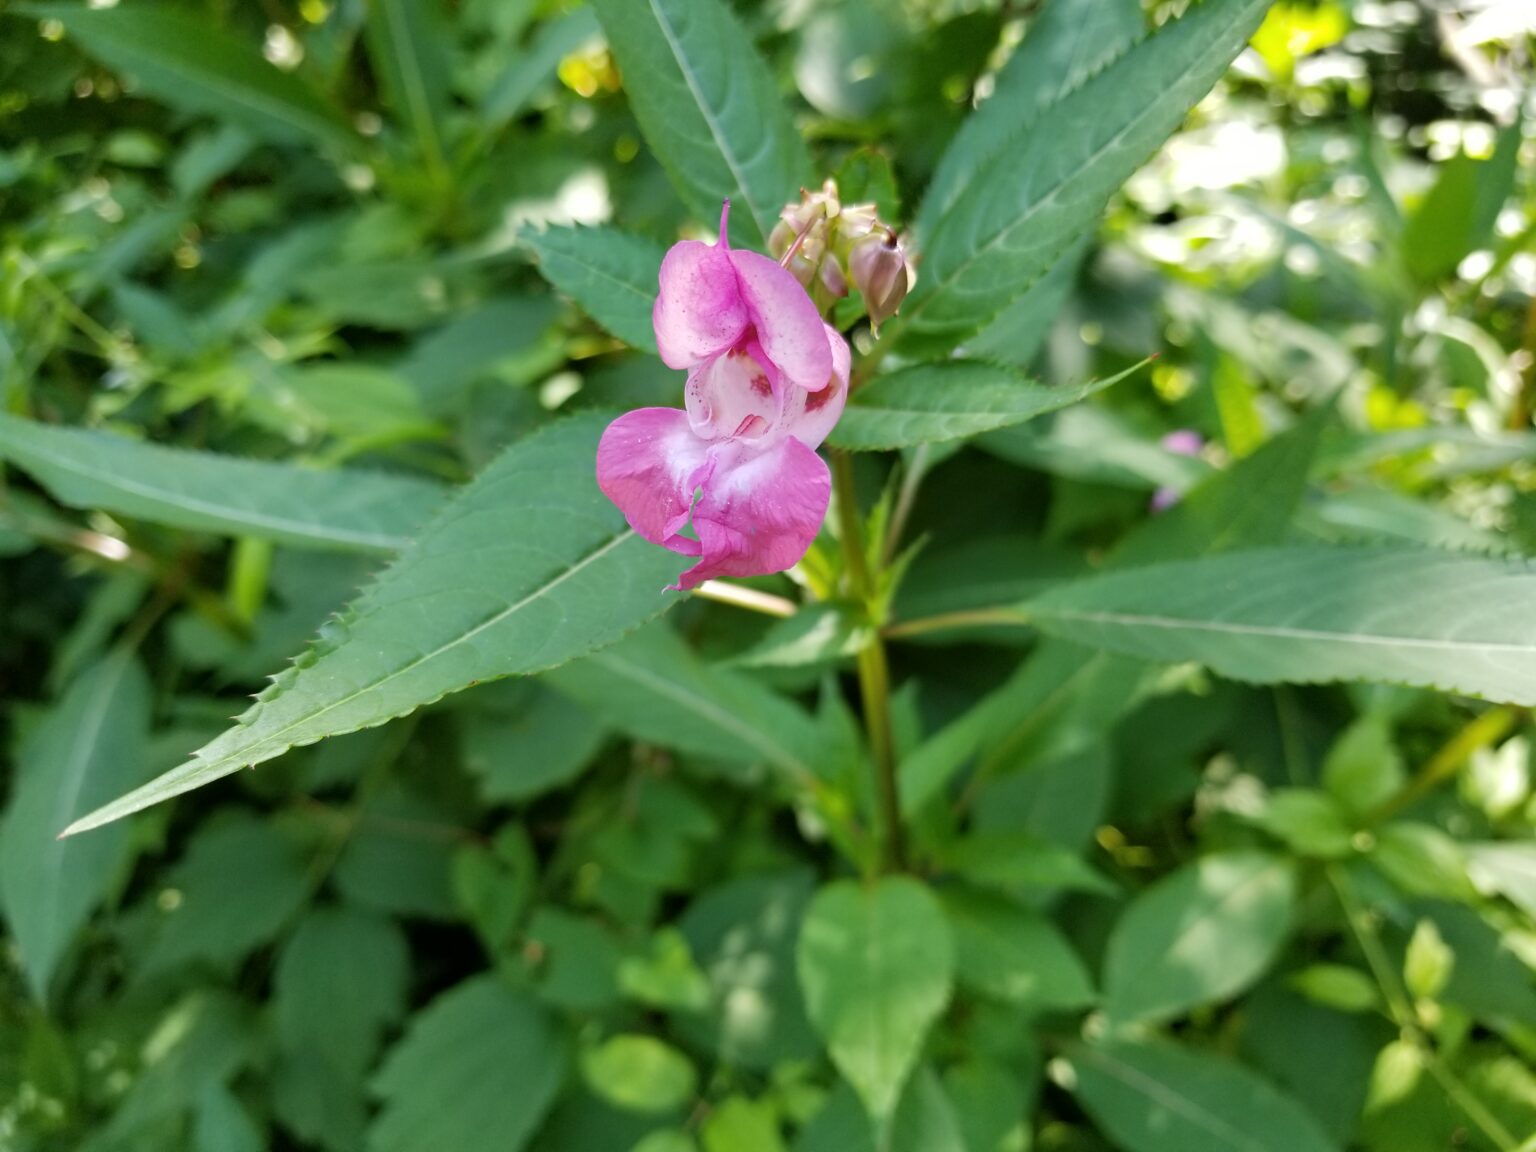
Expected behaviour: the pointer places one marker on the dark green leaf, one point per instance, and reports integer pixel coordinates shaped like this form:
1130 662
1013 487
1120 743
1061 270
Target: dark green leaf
611 274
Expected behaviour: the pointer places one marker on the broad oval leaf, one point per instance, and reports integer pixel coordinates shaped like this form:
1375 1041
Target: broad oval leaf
611 274
1304 615
476 1071
935 402
1197 936
528 567
346 510
178 56
1013 954
709 108
876 963
1158 1098
1020 211
87 748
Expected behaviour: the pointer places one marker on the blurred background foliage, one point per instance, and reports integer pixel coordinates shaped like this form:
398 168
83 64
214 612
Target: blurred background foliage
561 913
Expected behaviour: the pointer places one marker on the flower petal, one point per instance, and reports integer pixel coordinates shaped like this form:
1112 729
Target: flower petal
788 326
761 507
650 463
699 312
809 416
732 395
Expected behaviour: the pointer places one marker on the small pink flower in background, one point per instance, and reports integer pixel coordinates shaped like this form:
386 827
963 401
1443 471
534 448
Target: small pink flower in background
767 380
1181 442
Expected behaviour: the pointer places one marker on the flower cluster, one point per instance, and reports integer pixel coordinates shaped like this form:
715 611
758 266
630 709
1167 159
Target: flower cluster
825 243
767 380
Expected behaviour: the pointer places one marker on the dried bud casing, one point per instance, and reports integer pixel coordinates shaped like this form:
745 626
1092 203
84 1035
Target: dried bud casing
878 267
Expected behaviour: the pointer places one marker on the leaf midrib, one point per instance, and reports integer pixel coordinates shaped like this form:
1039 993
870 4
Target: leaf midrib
1276 631
303 529
1174 1101
941 287
721 139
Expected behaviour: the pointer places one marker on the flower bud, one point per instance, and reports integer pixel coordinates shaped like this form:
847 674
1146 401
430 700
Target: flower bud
878 267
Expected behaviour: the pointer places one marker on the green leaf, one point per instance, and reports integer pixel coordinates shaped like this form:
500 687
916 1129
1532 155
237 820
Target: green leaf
640 1074
476 1071
1307 821
405 47
1363 768
611 274
1018 863
1022 209
1014 955
931 403
528 567
533 67
183 58
876 963
741 1125
816 634
1506 869
653 687
709 109
1065 45
326 1002
1306 615
544 745
1197 936
925 1122
240 880
743 932
1159 1098
1458 213
349 510
88 747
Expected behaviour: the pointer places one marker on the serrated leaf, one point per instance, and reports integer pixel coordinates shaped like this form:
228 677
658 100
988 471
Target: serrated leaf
1304 615
527 567
1035 198
611 274
87 748
709 108
876 963
189 62
931 403
347 510
1066 44
1161 1098
1198 935
476 1070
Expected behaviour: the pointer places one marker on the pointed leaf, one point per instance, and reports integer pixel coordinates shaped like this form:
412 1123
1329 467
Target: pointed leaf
346 510
936 402
186 60
405 47
1035 198
1305 615
1160 1098
476 1071
527 567
876 963
1197 936
709 108
611 274
87 748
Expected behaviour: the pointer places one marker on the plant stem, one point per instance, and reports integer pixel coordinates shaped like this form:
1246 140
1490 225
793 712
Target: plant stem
1404 1016
749 598
874 672
1484 730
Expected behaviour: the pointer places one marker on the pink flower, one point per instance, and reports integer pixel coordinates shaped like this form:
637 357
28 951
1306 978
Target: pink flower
766 382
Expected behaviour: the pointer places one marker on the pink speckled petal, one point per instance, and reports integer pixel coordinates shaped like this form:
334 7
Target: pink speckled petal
786 321
650 463
810 416
760 510
699 312
732 395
